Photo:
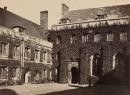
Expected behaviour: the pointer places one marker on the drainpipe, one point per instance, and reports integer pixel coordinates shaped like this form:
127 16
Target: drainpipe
22 55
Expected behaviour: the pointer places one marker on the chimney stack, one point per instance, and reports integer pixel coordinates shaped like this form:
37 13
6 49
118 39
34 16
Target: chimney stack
5 7
65 8
44 19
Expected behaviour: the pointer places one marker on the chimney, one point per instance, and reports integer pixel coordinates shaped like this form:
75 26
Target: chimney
65 8
5 7
44 19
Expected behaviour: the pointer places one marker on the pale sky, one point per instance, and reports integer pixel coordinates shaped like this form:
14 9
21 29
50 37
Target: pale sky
30 9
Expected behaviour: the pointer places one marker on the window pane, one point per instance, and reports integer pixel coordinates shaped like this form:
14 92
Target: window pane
37 55
73 39
44 73
4 49
97 38
17 51
58 40
27 53
3 72
85 38
109 37
123 36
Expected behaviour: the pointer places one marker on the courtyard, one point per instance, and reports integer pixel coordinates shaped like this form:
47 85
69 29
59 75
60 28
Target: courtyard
64 89
34 89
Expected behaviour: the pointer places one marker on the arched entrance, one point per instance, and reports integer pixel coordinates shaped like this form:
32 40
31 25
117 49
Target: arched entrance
37 76
115 62
96 65
75 75
73 72
27 76
118 64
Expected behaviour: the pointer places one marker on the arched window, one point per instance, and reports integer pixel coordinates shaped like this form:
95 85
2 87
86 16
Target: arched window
95 65
114 61
118 64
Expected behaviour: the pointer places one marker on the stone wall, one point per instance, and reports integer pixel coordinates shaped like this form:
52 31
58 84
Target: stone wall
82 51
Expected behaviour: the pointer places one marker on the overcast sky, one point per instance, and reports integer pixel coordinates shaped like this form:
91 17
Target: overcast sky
30 9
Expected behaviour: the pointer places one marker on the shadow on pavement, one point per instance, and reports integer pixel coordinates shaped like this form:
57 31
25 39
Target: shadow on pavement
7 92
95 90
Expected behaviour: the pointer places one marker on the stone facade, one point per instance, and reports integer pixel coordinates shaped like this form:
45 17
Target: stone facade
98 59
25 53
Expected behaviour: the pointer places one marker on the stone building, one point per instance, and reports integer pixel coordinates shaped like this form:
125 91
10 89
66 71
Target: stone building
25 53
92 45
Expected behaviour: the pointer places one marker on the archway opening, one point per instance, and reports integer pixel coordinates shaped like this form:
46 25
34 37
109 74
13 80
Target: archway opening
96 65
75 75
115 62
27 76
119 64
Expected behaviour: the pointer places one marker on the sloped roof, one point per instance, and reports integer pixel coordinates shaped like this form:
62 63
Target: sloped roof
10 20
91 13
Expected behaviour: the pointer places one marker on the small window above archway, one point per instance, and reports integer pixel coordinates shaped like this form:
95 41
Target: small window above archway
65 20
19 29
101 16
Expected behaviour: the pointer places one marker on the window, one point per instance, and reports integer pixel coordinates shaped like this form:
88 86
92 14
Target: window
97 38
50 75
95 65
18 29
73 39
4 72
27 53
101 16
37 55
44 73
16 72
44 56
85 38
57 56
65 20
16 51
49 58
110 37
4 49
123 36
58 40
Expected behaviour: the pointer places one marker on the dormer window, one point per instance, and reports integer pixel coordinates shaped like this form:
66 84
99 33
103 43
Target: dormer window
19 29
101 16
66 20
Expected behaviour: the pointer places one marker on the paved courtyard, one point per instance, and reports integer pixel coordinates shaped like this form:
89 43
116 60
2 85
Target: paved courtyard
34 89
63 89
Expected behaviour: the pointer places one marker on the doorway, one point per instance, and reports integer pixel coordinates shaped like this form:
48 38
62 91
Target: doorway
75 75
27 77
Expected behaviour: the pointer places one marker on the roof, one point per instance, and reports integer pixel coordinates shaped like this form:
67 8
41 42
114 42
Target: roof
10 20
92 13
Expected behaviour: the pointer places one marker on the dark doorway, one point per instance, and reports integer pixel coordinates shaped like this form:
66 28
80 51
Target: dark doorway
75 75
97 65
